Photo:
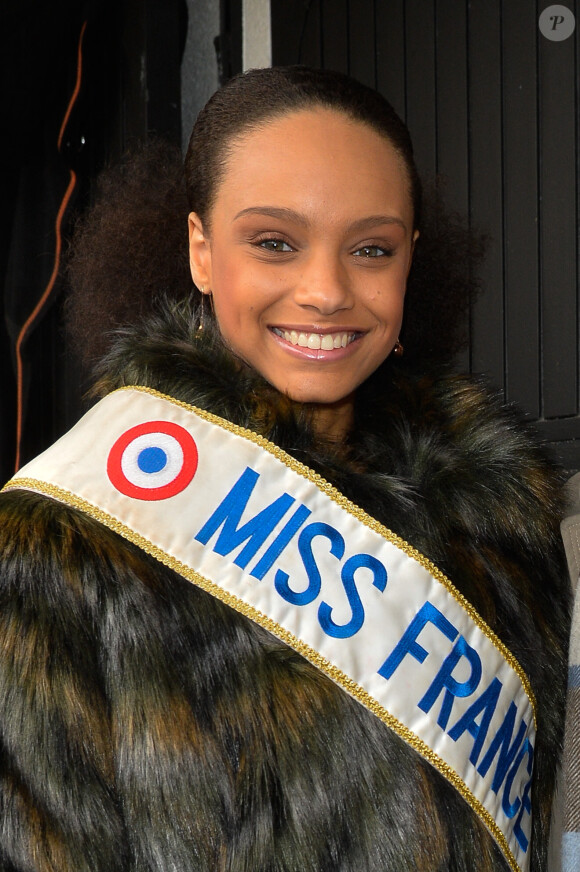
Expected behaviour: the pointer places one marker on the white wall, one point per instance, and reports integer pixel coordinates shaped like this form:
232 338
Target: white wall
257 40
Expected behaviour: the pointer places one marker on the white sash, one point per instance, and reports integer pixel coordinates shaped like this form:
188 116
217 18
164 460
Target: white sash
244 521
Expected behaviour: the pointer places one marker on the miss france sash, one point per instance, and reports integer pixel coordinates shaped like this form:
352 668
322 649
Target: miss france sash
244 521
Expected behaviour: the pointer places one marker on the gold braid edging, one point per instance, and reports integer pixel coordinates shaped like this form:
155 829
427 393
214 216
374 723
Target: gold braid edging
337 675
335 495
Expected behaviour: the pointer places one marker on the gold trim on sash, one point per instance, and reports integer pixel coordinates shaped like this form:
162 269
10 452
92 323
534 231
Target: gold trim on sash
335 495
310 653
339 677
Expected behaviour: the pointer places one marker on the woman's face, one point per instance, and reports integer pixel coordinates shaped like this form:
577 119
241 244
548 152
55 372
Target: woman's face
308 253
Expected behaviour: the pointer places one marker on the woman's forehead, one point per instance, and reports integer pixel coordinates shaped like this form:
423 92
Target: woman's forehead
313 153
314 121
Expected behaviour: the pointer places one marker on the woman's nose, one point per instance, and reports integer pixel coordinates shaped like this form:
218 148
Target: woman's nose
324 284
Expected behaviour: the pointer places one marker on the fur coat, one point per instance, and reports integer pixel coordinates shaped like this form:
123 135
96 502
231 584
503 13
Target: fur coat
146 726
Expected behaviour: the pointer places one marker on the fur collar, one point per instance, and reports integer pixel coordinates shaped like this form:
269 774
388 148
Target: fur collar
432 456
435 450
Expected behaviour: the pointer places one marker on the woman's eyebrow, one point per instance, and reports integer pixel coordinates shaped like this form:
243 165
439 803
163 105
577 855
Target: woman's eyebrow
274 212
284 213
376 221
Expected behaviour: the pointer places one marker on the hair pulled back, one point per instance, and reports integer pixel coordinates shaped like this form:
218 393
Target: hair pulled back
130 248
253 98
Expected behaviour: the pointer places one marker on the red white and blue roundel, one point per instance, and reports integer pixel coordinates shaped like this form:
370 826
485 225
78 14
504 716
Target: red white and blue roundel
152 461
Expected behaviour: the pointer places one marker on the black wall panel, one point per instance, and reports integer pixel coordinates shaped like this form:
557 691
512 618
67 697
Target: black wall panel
335 28
520 201
391 52
486 182
558 113
493 108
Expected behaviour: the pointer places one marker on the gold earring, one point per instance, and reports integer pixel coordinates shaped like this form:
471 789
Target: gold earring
205 292
201 311
398 349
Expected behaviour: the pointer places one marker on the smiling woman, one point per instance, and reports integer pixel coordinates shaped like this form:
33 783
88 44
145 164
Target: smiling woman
307 257
286 598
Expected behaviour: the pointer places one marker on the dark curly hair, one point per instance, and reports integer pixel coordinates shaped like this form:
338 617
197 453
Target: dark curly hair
131 247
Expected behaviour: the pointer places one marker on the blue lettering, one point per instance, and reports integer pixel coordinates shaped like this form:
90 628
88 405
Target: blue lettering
486 703
501 743
280 542
444 681
511 808
229 513
526 808
357 561
408 644
281 579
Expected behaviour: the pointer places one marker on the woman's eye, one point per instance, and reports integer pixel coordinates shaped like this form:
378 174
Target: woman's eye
373 251
274 245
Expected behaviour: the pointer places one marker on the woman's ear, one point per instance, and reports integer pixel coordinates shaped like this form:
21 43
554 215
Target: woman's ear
199 253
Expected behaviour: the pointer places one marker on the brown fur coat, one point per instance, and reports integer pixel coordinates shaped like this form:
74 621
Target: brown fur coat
146 726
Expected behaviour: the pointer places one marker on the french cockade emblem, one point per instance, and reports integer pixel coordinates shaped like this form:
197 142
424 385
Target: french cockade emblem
154 460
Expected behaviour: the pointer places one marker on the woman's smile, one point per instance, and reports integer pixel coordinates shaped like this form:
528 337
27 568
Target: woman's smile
308 253
306 340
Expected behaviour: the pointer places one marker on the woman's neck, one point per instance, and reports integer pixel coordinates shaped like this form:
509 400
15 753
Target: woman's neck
332 422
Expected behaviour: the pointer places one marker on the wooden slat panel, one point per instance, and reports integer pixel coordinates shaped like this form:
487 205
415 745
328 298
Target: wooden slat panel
163 35
559 429
519 28
563 439
577 93
494 107
576 38
309 51
452 120
566 455
390 42
420 72
452 123
362 41
231 21
558 232
334 27
486 208
295 32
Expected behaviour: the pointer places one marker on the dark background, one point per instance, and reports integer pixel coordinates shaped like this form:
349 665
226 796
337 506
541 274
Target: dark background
492 105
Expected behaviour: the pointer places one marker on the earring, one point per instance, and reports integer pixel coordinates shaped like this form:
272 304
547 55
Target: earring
201 310
205 292
398 349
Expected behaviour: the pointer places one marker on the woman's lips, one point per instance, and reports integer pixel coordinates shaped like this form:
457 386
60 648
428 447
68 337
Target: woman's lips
316 341
322 345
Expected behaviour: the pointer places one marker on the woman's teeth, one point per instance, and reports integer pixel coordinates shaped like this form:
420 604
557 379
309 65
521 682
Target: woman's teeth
324 341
